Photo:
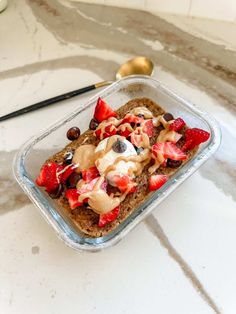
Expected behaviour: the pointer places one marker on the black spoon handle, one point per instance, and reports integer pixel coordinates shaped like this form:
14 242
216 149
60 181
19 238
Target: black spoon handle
53 100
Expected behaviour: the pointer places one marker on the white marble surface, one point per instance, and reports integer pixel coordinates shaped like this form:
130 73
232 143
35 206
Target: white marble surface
224 10
180 260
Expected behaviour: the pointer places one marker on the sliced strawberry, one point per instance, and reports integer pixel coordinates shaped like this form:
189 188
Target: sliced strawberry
187 145
168 150
148 128
126 133
110 130
64 174
195 137
73 195
136 139
88 187
48 176
124 183
108 217
156 181
130 118
89 174
52 174
164 164
103 111
177 124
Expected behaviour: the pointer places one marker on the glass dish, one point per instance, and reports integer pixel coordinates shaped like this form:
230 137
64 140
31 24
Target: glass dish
34 152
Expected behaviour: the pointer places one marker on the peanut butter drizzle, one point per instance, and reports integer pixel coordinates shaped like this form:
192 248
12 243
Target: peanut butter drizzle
124 126
143 111
84 157
79 184
166 135
100 201
111 121
116 122
145 143
140 162
158 161
160 120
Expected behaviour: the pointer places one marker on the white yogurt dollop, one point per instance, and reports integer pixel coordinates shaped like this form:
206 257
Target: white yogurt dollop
122 167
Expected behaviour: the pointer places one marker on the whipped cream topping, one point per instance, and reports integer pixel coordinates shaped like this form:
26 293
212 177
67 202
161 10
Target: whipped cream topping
106 161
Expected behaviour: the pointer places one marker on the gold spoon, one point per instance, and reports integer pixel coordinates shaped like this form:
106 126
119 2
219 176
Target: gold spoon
138 65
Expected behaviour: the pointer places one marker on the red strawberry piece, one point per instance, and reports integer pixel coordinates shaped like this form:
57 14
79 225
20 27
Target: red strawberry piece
187 145
73 195
108 217
156 181
177 124
48 176
148 128
89 174
130 118
168 150
132 187
124 183
195 137
88 187
125 133
164 164
64 174
110 130
103 111
136 139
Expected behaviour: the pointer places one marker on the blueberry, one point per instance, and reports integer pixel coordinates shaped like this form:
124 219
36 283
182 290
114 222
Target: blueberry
73 133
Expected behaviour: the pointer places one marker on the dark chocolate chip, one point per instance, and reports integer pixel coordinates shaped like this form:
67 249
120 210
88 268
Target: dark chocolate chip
168 116
73 133
73 180
139 150
93 124
119 146
173 163
58 192
68 158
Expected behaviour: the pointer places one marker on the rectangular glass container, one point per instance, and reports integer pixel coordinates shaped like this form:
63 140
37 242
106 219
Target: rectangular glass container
34 152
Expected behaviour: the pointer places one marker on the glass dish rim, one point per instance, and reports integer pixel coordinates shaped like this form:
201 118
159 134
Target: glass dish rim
156 198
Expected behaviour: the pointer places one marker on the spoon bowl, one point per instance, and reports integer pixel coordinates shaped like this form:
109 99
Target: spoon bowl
137 65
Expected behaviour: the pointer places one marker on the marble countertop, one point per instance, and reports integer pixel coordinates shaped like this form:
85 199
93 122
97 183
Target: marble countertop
182 258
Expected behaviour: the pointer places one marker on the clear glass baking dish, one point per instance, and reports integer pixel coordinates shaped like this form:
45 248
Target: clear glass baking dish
35 151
